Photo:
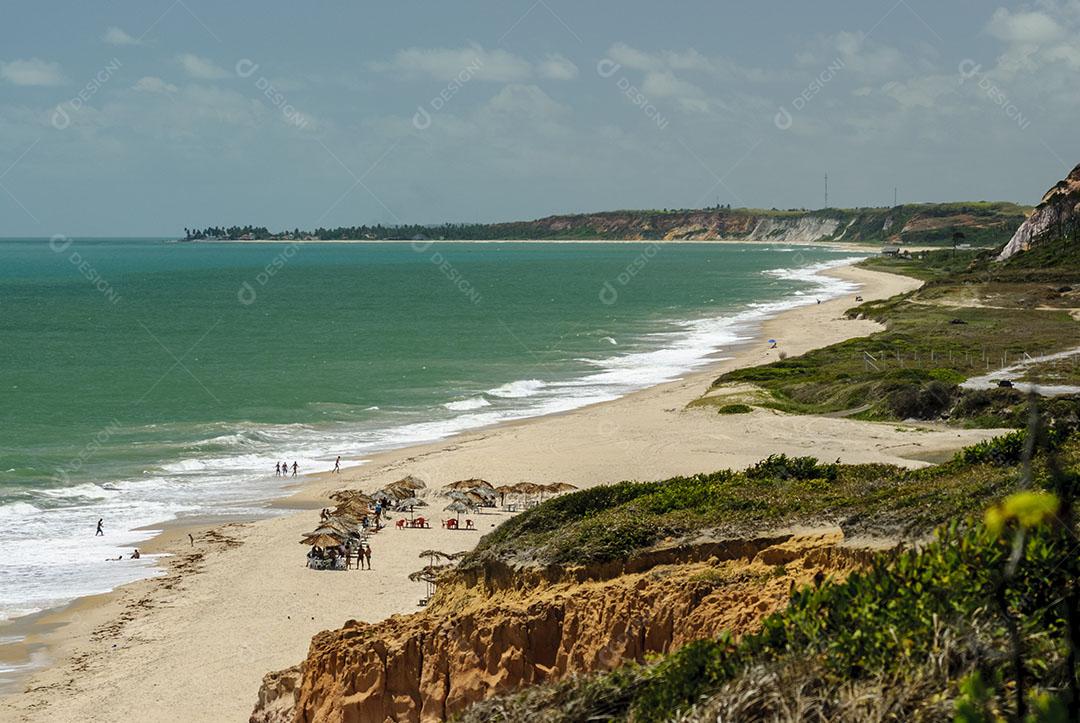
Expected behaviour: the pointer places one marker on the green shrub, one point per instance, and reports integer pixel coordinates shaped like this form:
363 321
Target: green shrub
735 409
886 620
782 467
928 401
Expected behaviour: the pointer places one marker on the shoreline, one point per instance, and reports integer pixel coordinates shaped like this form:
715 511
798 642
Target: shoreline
423 245
228 605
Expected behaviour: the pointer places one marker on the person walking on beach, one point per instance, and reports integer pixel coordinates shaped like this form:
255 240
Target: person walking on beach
284 469
100 532
337 465
294 468
367 554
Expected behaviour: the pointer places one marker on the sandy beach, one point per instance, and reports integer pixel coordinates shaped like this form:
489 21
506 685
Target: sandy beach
194 643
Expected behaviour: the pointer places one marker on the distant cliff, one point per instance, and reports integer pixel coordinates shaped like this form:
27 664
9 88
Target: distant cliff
981 223
1056 217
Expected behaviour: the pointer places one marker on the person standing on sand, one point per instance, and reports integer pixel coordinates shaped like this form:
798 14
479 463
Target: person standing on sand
294 468
367 555
337 465
192 539
100 532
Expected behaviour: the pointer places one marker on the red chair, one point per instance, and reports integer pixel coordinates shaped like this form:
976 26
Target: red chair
451 524
421 522
401 524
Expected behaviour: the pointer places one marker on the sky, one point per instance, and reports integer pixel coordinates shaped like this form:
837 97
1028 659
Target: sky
140 118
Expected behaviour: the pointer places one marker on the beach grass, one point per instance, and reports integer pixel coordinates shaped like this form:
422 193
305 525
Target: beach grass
920 630
970 318
614 522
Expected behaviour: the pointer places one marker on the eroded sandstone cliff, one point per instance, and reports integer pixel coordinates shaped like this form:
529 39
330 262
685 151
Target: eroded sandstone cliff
495 629
1058 215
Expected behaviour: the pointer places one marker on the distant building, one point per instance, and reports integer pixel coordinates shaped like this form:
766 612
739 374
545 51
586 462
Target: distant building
890 250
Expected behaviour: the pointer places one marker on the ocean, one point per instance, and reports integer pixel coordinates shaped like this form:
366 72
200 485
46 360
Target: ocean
147 380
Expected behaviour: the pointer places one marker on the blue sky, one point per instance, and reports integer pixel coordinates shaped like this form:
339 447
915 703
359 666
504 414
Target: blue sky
140 118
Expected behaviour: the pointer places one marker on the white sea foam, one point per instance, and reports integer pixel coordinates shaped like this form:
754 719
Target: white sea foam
519 389
464 405
48 552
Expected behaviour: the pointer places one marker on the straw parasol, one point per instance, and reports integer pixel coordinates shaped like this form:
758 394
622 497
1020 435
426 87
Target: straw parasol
410 481
459 508
561 487
470 484
383 496
503 491
412 503
351 509
321 540
346 526
350 496
432 554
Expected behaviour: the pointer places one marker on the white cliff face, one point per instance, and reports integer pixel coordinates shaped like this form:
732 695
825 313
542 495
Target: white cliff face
804 229
1060 208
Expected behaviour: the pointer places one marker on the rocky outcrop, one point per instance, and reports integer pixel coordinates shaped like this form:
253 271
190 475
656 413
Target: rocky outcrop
490 633
1056 216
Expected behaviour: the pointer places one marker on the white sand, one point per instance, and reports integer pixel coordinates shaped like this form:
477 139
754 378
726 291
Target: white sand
195 644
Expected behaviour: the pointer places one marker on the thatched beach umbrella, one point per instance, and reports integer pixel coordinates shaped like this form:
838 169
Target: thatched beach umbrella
411 482
411 503
347 525
561 487
459 508
432 554
350 496
321 540
469 484
358 510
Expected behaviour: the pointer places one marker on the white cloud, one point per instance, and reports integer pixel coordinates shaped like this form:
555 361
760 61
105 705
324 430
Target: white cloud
201 68
1027 28
444 64
666 85
32 72
524 100
558 67
924 92
116 36
152 84
857 53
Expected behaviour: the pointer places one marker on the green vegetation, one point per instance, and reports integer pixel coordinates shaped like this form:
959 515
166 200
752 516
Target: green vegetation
613 522
735 409
974 626
972 316
982 223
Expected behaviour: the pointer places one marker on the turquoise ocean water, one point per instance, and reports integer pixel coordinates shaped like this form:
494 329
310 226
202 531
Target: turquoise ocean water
145 380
